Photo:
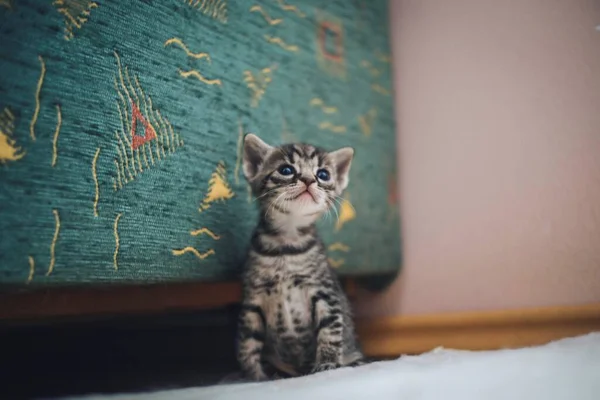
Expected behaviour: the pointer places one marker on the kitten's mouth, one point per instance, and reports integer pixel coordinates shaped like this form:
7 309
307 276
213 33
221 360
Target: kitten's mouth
305 195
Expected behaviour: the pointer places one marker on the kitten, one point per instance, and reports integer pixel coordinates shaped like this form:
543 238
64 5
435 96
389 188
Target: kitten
295 319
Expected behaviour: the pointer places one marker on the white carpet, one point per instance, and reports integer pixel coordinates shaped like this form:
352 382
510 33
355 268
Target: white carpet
568 369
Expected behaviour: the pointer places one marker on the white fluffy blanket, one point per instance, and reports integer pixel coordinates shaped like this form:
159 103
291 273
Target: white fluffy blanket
568 369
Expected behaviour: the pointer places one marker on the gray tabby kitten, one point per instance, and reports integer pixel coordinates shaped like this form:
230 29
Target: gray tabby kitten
295 319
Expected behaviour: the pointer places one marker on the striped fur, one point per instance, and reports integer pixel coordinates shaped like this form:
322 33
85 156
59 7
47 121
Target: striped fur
295 318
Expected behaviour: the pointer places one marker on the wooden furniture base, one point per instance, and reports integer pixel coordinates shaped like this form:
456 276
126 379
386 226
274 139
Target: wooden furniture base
391 337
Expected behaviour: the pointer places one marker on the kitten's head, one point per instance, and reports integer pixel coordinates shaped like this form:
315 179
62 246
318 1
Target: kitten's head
295 179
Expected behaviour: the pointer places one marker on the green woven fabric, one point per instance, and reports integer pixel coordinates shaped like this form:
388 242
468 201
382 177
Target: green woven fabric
121 123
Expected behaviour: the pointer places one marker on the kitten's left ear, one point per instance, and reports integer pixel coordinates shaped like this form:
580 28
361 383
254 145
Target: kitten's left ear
255 152
342 159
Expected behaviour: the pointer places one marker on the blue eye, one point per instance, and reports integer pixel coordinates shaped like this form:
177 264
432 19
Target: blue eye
286 170
323 175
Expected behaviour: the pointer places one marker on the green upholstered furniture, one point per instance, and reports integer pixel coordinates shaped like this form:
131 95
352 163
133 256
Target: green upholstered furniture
121 123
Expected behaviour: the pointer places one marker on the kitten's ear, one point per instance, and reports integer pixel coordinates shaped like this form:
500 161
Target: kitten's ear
342 160
255 151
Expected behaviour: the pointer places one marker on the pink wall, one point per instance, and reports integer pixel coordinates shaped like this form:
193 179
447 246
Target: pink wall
498 110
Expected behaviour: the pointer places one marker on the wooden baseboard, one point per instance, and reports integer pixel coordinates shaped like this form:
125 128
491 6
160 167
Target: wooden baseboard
391 337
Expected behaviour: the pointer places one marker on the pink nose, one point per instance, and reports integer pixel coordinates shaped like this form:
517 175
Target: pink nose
307 181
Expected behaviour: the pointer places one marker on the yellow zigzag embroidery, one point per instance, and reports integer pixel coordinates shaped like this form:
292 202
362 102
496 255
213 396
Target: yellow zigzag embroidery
278 41
133 104
270 21
336 262
317 102
294 9
326 125
205 231
117 242
218 188
53 244
216 9
382 57
180 43
346 214
338 246
366 121
9 151
380 89
367 65
258 84
192 250
97 188
56 133
196 74
75 12
38 89
31 269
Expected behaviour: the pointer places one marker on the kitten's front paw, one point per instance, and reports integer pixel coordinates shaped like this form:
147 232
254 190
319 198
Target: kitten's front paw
257 376
324 367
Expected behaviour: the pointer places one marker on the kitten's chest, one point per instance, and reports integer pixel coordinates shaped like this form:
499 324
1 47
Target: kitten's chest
287 305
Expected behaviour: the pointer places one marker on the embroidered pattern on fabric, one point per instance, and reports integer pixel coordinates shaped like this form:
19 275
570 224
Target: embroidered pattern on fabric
117 242
318 102
55 137
31 269
195 252
291 8
218 188
337 247
330 48
281 43
366 122
375 72
38 90
346 214
53 244
216 9
9 151
145 136
75 12
265 15
179 42
257 83
96 186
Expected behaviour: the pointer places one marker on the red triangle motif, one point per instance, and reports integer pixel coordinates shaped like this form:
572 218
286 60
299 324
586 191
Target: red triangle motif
149 132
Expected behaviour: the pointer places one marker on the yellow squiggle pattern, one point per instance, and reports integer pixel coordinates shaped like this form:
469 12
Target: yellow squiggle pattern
338 246
318 102
291 8
267 17
196 74
380 89
366 122
180 43
195 252
9 151
97 187
31 269
370 67
278 41
205 231
117 242
56 133
326 125
38 89
53 244
336 262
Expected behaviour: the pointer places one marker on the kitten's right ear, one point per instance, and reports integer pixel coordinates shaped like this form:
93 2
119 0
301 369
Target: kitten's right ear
255 152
